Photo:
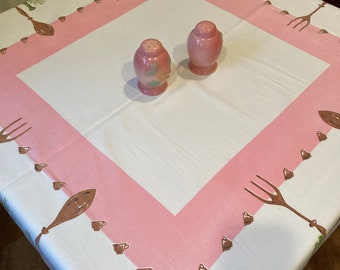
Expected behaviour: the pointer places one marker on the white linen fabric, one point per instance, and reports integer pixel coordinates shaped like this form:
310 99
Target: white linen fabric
183 132
109 98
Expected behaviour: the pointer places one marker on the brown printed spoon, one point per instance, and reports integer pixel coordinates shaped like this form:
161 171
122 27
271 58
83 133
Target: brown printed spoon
43 29
72 208
331 118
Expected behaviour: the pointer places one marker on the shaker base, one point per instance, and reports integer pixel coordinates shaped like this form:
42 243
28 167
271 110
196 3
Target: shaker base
152 91
202 71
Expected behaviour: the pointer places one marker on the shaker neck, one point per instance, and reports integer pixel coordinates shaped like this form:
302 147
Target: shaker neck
151 47
205 29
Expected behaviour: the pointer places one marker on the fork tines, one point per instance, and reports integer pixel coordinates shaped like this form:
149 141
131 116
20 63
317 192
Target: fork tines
4 135
271 195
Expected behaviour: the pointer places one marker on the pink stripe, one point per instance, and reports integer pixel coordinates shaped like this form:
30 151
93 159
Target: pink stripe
133 215
240 8
322 46
21 56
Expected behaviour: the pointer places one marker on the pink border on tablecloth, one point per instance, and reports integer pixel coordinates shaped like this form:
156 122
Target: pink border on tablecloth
194 235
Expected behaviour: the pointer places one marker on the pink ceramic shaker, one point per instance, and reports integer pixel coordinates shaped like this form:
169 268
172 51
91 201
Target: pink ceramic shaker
152 65
204 47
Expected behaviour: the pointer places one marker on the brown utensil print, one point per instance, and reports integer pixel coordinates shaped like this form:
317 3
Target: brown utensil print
72 208
306 19
5 135
277 199
331 118
41 28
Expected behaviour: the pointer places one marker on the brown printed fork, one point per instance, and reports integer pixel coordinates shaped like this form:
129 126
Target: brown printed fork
277 199
6 136
306 18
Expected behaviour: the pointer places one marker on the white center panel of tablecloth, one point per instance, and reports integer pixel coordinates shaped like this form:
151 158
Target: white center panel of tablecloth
172 145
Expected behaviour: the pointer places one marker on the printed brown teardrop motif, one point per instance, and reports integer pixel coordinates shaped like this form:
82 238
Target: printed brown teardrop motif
24 149
247 219
202 267
305 154
321 136
58 185
331 118
98 225
24 40
43 29
287 174
120 248
62 18
40 166
226 243
73 207
3 51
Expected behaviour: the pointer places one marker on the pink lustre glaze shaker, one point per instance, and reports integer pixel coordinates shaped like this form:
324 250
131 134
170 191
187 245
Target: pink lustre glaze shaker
152 66
204 47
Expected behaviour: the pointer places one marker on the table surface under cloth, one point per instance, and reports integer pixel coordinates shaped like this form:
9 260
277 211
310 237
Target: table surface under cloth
167 174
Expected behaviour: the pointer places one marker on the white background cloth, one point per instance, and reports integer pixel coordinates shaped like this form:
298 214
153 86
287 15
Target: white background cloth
279 244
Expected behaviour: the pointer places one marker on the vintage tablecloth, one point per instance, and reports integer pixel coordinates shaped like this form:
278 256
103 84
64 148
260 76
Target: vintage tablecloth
168 173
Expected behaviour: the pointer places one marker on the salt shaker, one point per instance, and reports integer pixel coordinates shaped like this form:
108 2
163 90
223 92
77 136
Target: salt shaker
152 66
204 46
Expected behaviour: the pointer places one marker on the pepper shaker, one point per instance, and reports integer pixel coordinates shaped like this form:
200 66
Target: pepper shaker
204 46
152 66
